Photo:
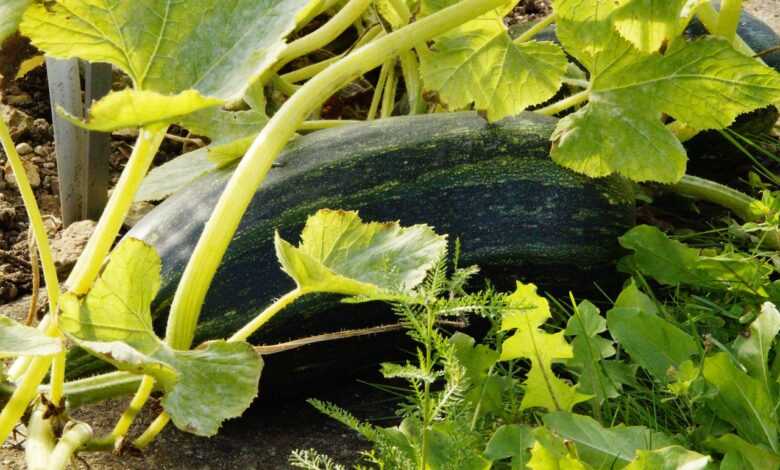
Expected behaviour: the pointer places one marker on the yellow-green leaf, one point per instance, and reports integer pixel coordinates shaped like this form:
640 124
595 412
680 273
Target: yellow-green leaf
339 253
669 458
10 14
130 108
651 24
21 340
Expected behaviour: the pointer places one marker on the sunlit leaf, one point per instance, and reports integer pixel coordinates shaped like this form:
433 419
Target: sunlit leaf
203 387
479 63
550 453
214 47
589 350
339 253
741 400
511 441
669 458
17 340
705 84
528 312
129 108
651 24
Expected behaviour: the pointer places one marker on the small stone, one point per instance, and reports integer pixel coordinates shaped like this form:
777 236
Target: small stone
41 150
68 247
49 165
7 212
24 148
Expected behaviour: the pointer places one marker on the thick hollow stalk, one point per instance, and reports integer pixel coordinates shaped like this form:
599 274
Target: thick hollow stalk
728 19
57 378
388 97
254 167
138 401
319 124
152 431
72 440
324 35
40 440
34 216
23 395
99 245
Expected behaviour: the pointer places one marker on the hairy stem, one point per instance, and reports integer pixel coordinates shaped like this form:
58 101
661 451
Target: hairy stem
152 431
40 440
564 104
251 172
23 395
126 420
260 320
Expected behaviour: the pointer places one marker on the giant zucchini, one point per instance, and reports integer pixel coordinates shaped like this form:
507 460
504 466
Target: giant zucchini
493 186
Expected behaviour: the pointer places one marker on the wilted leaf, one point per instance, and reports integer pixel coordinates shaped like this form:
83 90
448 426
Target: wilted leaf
341 254
528 312
20 340
203 387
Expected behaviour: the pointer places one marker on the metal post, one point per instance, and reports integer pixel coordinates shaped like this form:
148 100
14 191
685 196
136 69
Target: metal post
70 141
97 84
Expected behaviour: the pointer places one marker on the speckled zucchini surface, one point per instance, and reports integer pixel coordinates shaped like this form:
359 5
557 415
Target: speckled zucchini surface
493 186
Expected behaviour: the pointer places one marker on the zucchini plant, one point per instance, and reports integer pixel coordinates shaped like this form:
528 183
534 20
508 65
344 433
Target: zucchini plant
628 84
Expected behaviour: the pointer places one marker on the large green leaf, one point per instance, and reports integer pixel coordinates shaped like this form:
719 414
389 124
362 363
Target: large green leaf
341 254
215 47
527 313
511 441
704 84
20 340
670 458
479 63
752 347
551 453
203 387
654 343
741 400
10 14
651 24
601 447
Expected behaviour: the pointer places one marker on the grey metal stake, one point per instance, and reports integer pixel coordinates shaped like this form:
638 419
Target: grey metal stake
70 141
97 84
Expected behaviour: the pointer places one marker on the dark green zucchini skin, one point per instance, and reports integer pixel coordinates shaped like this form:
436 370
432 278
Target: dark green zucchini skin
493 186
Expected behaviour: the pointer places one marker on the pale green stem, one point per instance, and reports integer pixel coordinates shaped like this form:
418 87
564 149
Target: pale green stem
709 18
72 440
100 387
154 429
34 216
411 71
40 440
23 395
327 5
309 71
283 85
250 173
728 19
316 125
325 34
388 97
267 314
576 82
376 99
535 29
126 420
564 104
89 263
57 378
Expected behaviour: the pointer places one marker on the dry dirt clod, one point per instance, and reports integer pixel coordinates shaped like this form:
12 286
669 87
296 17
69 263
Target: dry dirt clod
71 242
33 175
19 122
7 212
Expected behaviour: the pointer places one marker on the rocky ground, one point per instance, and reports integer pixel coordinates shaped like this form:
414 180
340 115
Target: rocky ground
264 438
